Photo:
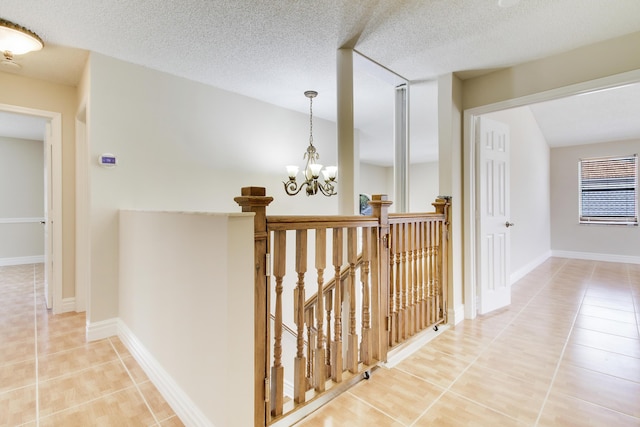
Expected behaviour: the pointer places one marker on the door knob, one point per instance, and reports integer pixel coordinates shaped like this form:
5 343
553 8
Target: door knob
509 224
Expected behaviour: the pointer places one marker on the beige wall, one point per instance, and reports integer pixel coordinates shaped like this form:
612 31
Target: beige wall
182 145
567 235
587 63
423 184
21 197
186 297
41 95
450 175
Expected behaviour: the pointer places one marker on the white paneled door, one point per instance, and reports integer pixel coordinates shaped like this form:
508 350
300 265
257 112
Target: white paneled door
493 215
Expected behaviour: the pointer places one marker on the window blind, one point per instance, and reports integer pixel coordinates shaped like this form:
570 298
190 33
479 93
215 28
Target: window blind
609 190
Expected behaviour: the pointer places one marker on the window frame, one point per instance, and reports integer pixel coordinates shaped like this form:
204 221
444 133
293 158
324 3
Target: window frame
608 220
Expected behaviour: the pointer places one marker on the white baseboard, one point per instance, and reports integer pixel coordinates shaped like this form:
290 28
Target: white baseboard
68 304
457 316
288 389
103 329
414 344
36 259
182 405
596 257
528 268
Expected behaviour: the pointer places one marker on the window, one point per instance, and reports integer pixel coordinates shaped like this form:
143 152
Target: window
609 190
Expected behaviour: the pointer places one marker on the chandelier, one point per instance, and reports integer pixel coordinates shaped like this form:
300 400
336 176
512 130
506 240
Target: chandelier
17 40
312 170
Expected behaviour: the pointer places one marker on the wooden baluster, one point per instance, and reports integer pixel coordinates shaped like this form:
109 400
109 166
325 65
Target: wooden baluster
311 344
277 370
393 285
352 258
437 290
398 286
417 275
413 279
427 266
319 356
300 378
434 270
328 303
366 345
404 313
336 346
423 256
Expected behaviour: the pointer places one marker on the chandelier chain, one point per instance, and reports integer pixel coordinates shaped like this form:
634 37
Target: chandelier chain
311 120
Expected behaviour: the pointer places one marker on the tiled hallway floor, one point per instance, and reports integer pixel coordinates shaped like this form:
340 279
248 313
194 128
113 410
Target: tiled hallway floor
49 375
565 353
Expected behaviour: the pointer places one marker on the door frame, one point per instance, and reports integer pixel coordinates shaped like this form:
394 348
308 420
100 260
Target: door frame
470 154
55 166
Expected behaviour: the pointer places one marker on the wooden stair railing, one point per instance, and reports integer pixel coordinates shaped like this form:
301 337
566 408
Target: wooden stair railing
372 301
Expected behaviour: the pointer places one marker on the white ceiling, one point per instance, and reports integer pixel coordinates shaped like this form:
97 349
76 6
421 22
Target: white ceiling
275 50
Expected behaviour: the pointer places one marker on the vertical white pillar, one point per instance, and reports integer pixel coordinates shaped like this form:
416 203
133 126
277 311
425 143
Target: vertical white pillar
348 161
401 148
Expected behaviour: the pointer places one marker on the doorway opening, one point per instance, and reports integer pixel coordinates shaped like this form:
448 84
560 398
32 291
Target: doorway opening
471 154
27 124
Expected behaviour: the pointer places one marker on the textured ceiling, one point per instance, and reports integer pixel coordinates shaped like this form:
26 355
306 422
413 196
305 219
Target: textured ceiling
275 50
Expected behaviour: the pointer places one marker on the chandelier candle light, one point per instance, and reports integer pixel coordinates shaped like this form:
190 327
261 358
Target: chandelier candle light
311 172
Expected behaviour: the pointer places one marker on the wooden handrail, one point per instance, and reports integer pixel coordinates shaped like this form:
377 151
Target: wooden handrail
400 217
331 284
287 329
288 222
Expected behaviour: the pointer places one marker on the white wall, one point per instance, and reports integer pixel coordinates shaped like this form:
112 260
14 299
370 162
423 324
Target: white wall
186 299
423 184
21 201
182 145
530 190
376 179
569 238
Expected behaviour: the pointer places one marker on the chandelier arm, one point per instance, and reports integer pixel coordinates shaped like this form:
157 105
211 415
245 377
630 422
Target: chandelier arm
292 188
328 189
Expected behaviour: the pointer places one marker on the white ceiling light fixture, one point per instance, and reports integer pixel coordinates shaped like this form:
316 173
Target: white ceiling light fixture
311 172
17 40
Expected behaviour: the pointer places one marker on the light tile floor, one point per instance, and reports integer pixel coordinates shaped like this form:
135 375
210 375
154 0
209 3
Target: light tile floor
566 352
50 375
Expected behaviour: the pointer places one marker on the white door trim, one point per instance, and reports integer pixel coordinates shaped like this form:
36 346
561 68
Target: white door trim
83 243
469 163
55 119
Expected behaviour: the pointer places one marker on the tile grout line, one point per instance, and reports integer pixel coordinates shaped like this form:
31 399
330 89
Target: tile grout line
35 333
135 383
461 396
375 407
564 348
448 388
78 405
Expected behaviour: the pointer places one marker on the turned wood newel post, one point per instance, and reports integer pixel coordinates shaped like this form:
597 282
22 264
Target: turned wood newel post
253 199
443 205
380 276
